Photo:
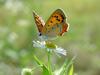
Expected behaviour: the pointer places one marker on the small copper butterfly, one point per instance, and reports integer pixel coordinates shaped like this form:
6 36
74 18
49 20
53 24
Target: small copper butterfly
55 26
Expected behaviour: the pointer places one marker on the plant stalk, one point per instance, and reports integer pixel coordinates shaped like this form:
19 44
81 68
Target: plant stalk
49 63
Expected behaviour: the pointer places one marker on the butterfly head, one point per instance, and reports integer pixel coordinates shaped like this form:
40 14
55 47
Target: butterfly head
40 34
43 38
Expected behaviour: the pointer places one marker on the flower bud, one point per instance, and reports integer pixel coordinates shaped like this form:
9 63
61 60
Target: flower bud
26 71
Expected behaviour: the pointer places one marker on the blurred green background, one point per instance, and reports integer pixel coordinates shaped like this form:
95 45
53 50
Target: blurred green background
18 29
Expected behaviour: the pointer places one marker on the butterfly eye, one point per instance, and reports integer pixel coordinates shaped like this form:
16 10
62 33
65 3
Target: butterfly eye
40 34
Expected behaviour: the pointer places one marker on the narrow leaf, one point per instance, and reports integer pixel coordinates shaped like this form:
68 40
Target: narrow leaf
37 61
66 66
71 70
44 68
45 71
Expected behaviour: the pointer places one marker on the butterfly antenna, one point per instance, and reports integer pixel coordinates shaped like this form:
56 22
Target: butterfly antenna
34 13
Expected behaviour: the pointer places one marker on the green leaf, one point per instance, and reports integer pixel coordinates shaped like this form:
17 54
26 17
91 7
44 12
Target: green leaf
71 70
45 70
66 66
37 60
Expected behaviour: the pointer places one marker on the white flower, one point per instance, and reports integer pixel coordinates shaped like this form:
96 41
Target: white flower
60 51
39 44
49 46
26 71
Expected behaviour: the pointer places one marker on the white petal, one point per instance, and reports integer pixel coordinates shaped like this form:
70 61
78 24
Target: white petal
39 44
61 51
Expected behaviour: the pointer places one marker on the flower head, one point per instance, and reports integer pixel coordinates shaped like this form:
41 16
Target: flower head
49 46
26 71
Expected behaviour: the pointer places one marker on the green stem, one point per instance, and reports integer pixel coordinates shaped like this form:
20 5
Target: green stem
49 63
35 68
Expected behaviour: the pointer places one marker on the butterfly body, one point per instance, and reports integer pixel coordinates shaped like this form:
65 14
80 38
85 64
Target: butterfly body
55 26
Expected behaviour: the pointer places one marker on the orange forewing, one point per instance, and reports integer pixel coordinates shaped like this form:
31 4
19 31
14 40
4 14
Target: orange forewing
58 17
39 22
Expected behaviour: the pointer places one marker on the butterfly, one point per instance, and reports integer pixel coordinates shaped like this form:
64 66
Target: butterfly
55 26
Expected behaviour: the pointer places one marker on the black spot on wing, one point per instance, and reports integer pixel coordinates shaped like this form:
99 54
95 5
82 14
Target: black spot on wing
62 17
51 22
57 19
62 20
55 16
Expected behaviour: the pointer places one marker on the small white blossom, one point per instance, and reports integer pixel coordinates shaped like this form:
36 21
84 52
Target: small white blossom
39 44
49 47
60 51
26 71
